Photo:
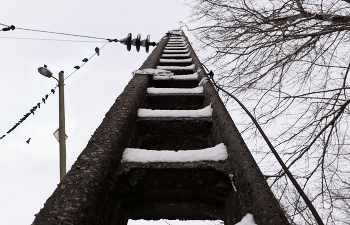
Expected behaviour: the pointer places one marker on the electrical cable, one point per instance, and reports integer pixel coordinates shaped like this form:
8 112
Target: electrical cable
123 41
44 39
51 32
43 100
85 62
52 92
285 168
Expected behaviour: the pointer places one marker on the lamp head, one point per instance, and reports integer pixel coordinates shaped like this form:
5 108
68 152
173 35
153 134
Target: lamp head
45 72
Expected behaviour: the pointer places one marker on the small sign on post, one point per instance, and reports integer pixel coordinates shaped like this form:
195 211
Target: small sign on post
56 134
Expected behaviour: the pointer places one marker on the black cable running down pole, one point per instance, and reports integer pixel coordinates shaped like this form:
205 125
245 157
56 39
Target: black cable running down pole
286 170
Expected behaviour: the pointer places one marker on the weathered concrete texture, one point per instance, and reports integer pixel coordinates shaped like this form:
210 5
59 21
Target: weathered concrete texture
80 197
100 190
174 101
254 195
175 83
172 190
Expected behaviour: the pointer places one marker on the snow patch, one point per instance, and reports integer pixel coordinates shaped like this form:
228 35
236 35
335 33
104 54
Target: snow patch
157 72
172 68
175 51
176 39
205 112
217 153
175 31
197 90
175 47
175 55
176 60
176 42
177 77
203 81
247 220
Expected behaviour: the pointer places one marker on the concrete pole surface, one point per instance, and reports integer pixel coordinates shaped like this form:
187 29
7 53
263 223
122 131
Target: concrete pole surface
62 132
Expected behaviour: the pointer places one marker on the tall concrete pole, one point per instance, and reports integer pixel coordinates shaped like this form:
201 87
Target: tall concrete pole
62 132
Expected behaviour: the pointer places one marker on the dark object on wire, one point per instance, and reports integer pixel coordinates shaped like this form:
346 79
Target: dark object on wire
77 67
28 141
43 100
97 50
53 91
127 41
8 28
38 105
211 74
85 60
45 66
112 40
46 96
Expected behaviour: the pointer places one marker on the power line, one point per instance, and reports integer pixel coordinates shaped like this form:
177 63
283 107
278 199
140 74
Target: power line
128 41
31 111
273 150
85 61
45 39
7 28
43 100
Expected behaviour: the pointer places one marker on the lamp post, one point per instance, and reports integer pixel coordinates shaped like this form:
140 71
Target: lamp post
61 132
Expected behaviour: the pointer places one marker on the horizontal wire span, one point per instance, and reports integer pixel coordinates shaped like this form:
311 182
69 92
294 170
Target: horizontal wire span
44 39
52 32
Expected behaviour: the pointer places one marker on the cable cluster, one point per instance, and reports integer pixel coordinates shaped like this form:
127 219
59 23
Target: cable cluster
43 100
128 41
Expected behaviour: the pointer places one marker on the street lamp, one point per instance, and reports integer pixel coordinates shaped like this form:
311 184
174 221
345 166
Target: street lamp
61 132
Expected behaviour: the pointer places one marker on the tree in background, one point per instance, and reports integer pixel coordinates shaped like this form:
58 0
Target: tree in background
288 60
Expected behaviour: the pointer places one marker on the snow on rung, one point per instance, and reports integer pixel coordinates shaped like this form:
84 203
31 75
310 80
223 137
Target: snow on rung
196 90
172 45
175 55
177 77
175 51
155 72
176 47
216 153
176 42
205 112
172 68
189 60
176 39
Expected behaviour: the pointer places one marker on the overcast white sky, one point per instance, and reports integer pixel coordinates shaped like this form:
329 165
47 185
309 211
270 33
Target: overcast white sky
29 173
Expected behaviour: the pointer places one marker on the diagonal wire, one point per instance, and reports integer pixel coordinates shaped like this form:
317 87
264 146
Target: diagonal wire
273 150
85 62
44 99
